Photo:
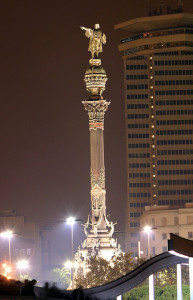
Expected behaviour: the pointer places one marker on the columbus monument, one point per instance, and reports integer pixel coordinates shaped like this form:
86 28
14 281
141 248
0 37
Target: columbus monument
98 229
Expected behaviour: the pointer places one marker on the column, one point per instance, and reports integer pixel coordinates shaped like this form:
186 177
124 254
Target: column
151 287
191 276
179 282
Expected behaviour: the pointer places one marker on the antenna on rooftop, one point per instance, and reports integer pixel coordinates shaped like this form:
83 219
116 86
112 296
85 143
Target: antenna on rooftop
180 5
164 8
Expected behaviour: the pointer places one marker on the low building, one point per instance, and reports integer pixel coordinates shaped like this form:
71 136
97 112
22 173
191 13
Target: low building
25 242
162 221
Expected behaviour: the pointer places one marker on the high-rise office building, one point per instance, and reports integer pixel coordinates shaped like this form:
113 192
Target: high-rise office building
158 68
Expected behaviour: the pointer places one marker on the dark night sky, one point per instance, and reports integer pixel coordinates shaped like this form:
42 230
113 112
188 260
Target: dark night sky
44 136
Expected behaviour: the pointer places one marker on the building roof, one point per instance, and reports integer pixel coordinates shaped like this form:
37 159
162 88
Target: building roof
152 23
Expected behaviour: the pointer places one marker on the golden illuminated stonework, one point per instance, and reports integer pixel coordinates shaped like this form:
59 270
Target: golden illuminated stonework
98 229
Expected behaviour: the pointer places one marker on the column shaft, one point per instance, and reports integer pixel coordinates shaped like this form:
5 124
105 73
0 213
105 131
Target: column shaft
179 282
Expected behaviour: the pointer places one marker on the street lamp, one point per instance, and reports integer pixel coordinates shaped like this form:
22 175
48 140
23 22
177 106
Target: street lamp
8 235
71 222
22 265
147 229
7 271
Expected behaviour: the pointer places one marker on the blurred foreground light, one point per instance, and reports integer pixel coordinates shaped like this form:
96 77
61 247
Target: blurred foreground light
7 271
22 264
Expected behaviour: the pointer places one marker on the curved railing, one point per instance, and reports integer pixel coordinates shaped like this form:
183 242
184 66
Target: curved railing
135 277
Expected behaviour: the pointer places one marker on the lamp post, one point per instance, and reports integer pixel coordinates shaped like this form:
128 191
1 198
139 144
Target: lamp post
71 222
8 235
147 229
22 265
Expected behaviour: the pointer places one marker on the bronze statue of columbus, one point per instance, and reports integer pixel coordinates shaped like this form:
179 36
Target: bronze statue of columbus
97 38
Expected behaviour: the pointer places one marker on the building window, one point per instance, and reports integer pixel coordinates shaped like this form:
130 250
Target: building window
22 252
153 236
134 245
134 254
153 222
153 251
190 235
134 224
135 235
164 249
176 221
190 220
164 221
16 252
28 252
164 236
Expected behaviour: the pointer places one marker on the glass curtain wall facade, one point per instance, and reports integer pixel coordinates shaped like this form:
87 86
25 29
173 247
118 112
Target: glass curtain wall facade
158 69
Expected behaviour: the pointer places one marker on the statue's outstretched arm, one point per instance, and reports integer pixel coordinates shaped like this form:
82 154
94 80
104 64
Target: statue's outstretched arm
88 31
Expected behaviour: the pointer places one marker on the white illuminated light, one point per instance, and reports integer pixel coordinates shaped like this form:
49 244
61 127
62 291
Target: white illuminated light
147 229
22 264
70 220
7 234
68 264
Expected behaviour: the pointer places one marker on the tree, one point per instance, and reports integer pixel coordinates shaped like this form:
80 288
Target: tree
100 271
61 277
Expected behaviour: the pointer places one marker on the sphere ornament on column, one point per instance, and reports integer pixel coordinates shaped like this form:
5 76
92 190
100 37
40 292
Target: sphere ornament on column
95 79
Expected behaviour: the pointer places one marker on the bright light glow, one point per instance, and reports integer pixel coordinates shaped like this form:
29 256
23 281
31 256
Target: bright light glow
70 265
75 265
147 229
7 234
7 271
70 220
22 264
